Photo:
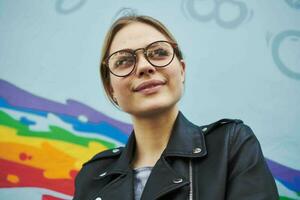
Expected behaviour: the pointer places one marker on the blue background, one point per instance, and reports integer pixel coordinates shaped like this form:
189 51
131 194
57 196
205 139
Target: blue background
242 58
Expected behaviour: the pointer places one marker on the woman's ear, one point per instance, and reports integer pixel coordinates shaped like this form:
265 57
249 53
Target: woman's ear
111 92
182 70
110 89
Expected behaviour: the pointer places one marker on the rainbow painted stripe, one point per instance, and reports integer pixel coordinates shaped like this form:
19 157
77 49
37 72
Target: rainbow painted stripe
44 143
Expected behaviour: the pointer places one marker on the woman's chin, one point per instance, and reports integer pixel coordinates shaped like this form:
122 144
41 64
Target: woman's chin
151 110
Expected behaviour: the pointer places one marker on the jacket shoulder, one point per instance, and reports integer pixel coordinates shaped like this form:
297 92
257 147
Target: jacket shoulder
222 122
109 153
234 129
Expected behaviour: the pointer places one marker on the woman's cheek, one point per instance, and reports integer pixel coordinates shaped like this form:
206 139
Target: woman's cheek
123 95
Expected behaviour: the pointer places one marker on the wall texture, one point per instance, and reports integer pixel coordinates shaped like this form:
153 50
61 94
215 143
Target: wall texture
243 61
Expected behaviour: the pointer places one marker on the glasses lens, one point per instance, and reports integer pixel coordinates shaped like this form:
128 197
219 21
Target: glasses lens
160 54
121 63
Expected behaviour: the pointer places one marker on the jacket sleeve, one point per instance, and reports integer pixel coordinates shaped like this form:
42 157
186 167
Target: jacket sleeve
77 186
249 177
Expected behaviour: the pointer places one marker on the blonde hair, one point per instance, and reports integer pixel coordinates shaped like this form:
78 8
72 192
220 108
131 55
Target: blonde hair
117 26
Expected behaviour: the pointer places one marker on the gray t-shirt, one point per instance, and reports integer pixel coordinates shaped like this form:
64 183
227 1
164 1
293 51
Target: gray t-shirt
141 176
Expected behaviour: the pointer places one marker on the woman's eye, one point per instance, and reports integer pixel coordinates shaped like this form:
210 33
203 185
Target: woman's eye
158 53
124 62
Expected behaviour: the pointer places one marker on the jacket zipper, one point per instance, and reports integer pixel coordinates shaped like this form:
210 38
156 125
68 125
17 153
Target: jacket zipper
191 180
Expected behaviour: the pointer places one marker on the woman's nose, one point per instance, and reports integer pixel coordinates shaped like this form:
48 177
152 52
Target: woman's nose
143 67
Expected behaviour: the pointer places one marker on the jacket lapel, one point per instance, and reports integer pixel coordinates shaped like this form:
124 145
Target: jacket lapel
162 180
121 184
119 188
186 141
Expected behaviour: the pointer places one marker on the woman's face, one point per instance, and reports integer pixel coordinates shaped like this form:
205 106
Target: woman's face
163 86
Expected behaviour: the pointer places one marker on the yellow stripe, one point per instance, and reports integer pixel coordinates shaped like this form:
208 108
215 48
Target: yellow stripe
57 158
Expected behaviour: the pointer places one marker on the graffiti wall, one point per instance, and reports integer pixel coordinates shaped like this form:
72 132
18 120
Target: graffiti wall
242 60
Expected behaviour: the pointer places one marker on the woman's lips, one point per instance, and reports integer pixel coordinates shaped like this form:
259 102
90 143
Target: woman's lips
149 87
150 90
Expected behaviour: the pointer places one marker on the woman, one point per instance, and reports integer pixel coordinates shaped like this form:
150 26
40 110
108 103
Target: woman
167 157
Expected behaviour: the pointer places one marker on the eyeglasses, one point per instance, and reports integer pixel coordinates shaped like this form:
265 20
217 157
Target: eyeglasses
159 54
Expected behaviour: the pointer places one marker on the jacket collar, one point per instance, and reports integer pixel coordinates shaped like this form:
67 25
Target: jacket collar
186 140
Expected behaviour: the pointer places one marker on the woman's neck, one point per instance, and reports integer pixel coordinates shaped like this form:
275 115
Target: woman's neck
152 135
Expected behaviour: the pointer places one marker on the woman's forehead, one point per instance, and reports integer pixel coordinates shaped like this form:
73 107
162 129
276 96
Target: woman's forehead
135 35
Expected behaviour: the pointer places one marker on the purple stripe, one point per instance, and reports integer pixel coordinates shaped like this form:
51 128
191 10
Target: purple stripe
20 98
288 175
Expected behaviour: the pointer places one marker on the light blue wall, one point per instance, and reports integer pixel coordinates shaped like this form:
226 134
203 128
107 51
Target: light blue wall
242 57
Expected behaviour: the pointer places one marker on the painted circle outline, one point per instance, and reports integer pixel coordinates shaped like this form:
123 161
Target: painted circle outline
275 52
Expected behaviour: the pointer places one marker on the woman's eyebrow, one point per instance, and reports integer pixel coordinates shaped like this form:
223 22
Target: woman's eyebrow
126 49
132 50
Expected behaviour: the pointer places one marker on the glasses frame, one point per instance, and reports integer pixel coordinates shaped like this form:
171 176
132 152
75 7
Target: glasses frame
133 52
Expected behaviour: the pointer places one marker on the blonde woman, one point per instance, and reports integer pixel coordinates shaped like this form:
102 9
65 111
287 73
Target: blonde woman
167 157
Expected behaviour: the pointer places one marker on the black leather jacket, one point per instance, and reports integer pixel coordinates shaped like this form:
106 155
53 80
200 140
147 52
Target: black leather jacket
222 160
